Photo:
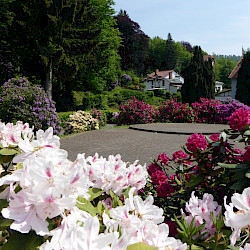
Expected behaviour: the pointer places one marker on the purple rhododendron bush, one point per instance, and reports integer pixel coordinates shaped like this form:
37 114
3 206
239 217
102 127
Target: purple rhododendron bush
22 100
199 198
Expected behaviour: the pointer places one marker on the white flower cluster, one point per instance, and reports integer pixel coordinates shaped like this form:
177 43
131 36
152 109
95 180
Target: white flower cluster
137 221
11 134
113 174
48 185
81 121
201 210
237 214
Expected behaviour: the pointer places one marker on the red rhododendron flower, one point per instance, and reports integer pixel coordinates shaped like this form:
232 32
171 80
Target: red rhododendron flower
165 189
239 119
158 177
163 159
196 142
153 167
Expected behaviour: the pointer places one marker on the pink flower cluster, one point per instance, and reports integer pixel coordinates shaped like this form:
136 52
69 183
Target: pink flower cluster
134 111
239 119
173 111
206 110
196 142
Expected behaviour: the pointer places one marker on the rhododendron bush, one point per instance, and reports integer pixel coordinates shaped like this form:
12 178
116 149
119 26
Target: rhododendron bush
212 173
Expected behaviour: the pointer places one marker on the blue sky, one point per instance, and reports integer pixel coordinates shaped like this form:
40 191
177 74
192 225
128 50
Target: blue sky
218 26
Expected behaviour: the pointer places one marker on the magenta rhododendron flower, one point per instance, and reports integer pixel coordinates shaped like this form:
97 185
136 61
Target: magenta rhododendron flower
153 167
214 137
246 155
196 142
158 177
163 159
239 119
165 189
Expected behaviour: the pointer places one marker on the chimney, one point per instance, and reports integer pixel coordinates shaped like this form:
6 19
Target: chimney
170 75
156 71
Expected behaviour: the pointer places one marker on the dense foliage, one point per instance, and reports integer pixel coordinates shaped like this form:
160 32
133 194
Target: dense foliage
199 78
133 49
243 81
21 100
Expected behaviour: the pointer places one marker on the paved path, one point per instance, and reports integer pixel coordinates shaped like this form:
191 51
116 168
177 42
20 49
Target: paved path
134 144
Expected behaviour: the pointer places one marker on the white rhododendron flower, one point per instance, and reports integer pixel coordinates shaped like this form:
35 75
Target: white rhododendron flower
114 174
240 219
201 210
49 182
79 230
11 134
139 222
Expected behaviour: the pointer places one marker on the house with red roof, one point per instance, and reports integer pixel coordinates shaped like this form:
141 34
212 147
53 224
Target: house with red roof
167 80
234 77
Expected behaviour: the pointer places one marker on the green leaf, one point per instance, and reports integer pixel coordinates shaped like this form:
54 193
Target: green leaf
233 136
247 174
21 241
195 247
186 150
224 165
194 180
7 151
5 223
1 146
140 246
3 204
86 205
94 193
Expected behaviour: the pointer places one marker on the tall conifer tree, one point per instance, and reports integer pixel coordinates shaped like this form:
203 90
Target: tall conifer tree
243 82
199 79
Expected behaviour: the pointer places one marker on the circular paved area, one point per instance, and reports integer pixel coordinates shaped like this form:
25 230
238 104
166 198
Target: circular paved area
134 144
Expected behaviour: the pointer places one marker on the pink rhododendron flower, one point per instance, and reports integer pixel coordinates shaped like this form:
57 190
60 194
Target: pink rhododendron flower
178 156
246 155
239 119
196 142
163 159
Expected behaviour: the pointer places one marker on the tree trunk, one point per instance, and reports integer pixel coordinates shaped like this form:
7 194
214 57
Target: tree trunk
48 83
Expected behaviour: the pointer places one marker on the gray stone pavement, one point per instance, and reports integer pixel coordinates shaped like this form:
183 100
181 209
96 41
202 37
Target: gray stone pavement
134 144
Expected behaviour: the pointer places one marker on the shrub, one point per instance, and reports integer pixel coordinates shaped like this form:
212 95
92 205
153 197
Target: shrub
173 111
134 111
227 108
206 109
101 117
20 100
81 121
